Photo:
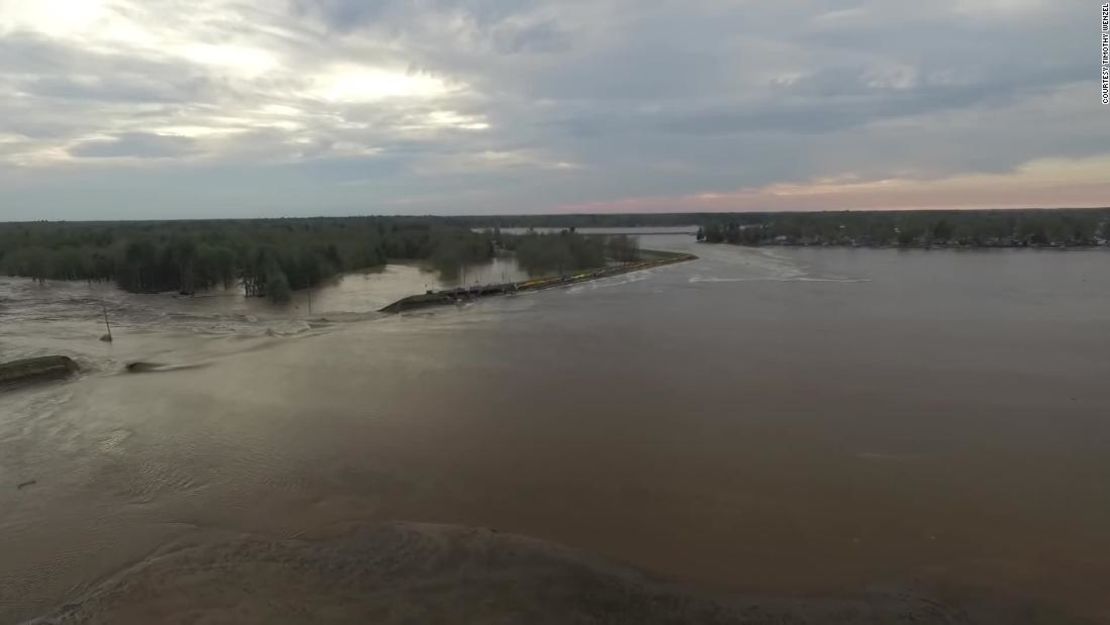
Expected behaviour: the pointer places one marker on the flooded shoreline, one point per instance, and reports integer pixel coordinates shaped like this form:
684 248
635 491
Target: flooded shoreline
811 422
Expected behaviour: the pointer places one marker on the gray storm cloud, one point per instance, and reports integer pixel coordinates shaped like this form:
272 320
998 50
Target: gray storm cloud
464 106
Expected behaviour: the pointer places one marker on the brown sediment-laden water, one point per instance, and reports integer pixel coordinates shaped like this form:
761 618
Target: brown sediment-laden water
806 433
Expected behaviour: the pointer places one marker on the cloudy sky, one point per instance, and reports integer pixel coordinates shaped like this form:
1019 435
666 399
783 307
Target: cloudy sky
208 108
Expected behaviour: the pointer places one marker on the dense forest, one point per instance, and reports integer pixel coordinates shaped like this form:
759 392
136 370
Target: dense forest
273 257
567 250
997 228
269 257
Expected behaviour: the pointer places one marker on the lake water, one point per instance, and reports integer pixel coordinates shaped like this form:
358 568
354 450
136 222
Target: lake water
777 421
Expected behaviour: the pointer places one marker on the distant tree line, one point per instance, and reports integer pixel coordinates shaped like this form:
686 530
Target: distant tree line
566 251
977 228
270 257
566 220
273 257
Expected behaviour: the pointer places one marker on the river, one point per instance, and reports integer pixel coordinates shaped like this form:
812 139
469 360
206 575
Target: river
801 422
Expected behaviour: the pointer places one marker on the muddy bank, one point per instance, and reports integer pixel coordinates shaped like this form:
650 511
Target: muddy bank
453 296
36 370
420 573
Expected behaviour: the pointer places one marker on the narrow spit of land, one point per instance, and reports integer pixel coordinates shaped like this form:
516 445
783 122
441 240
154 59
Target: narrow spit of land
459 294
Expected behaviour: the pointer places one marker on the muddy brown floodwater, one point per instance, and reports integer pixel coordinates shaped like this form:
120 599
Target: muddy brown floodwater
779 423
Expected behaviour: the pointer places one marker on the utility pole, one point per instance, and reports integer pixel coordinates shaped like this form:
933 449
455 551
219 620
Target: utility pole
107 338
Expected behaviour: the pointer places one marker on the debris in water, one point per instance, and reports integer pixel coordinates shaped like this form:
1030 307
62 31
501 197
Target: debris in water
35 369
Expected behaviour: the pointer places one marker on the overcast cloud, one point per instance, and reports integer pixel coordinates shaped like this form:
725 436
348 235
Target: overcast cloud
207 108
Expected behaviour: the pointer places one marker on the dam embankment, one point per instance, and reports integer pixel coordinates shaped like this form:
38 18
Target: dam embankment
461 294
